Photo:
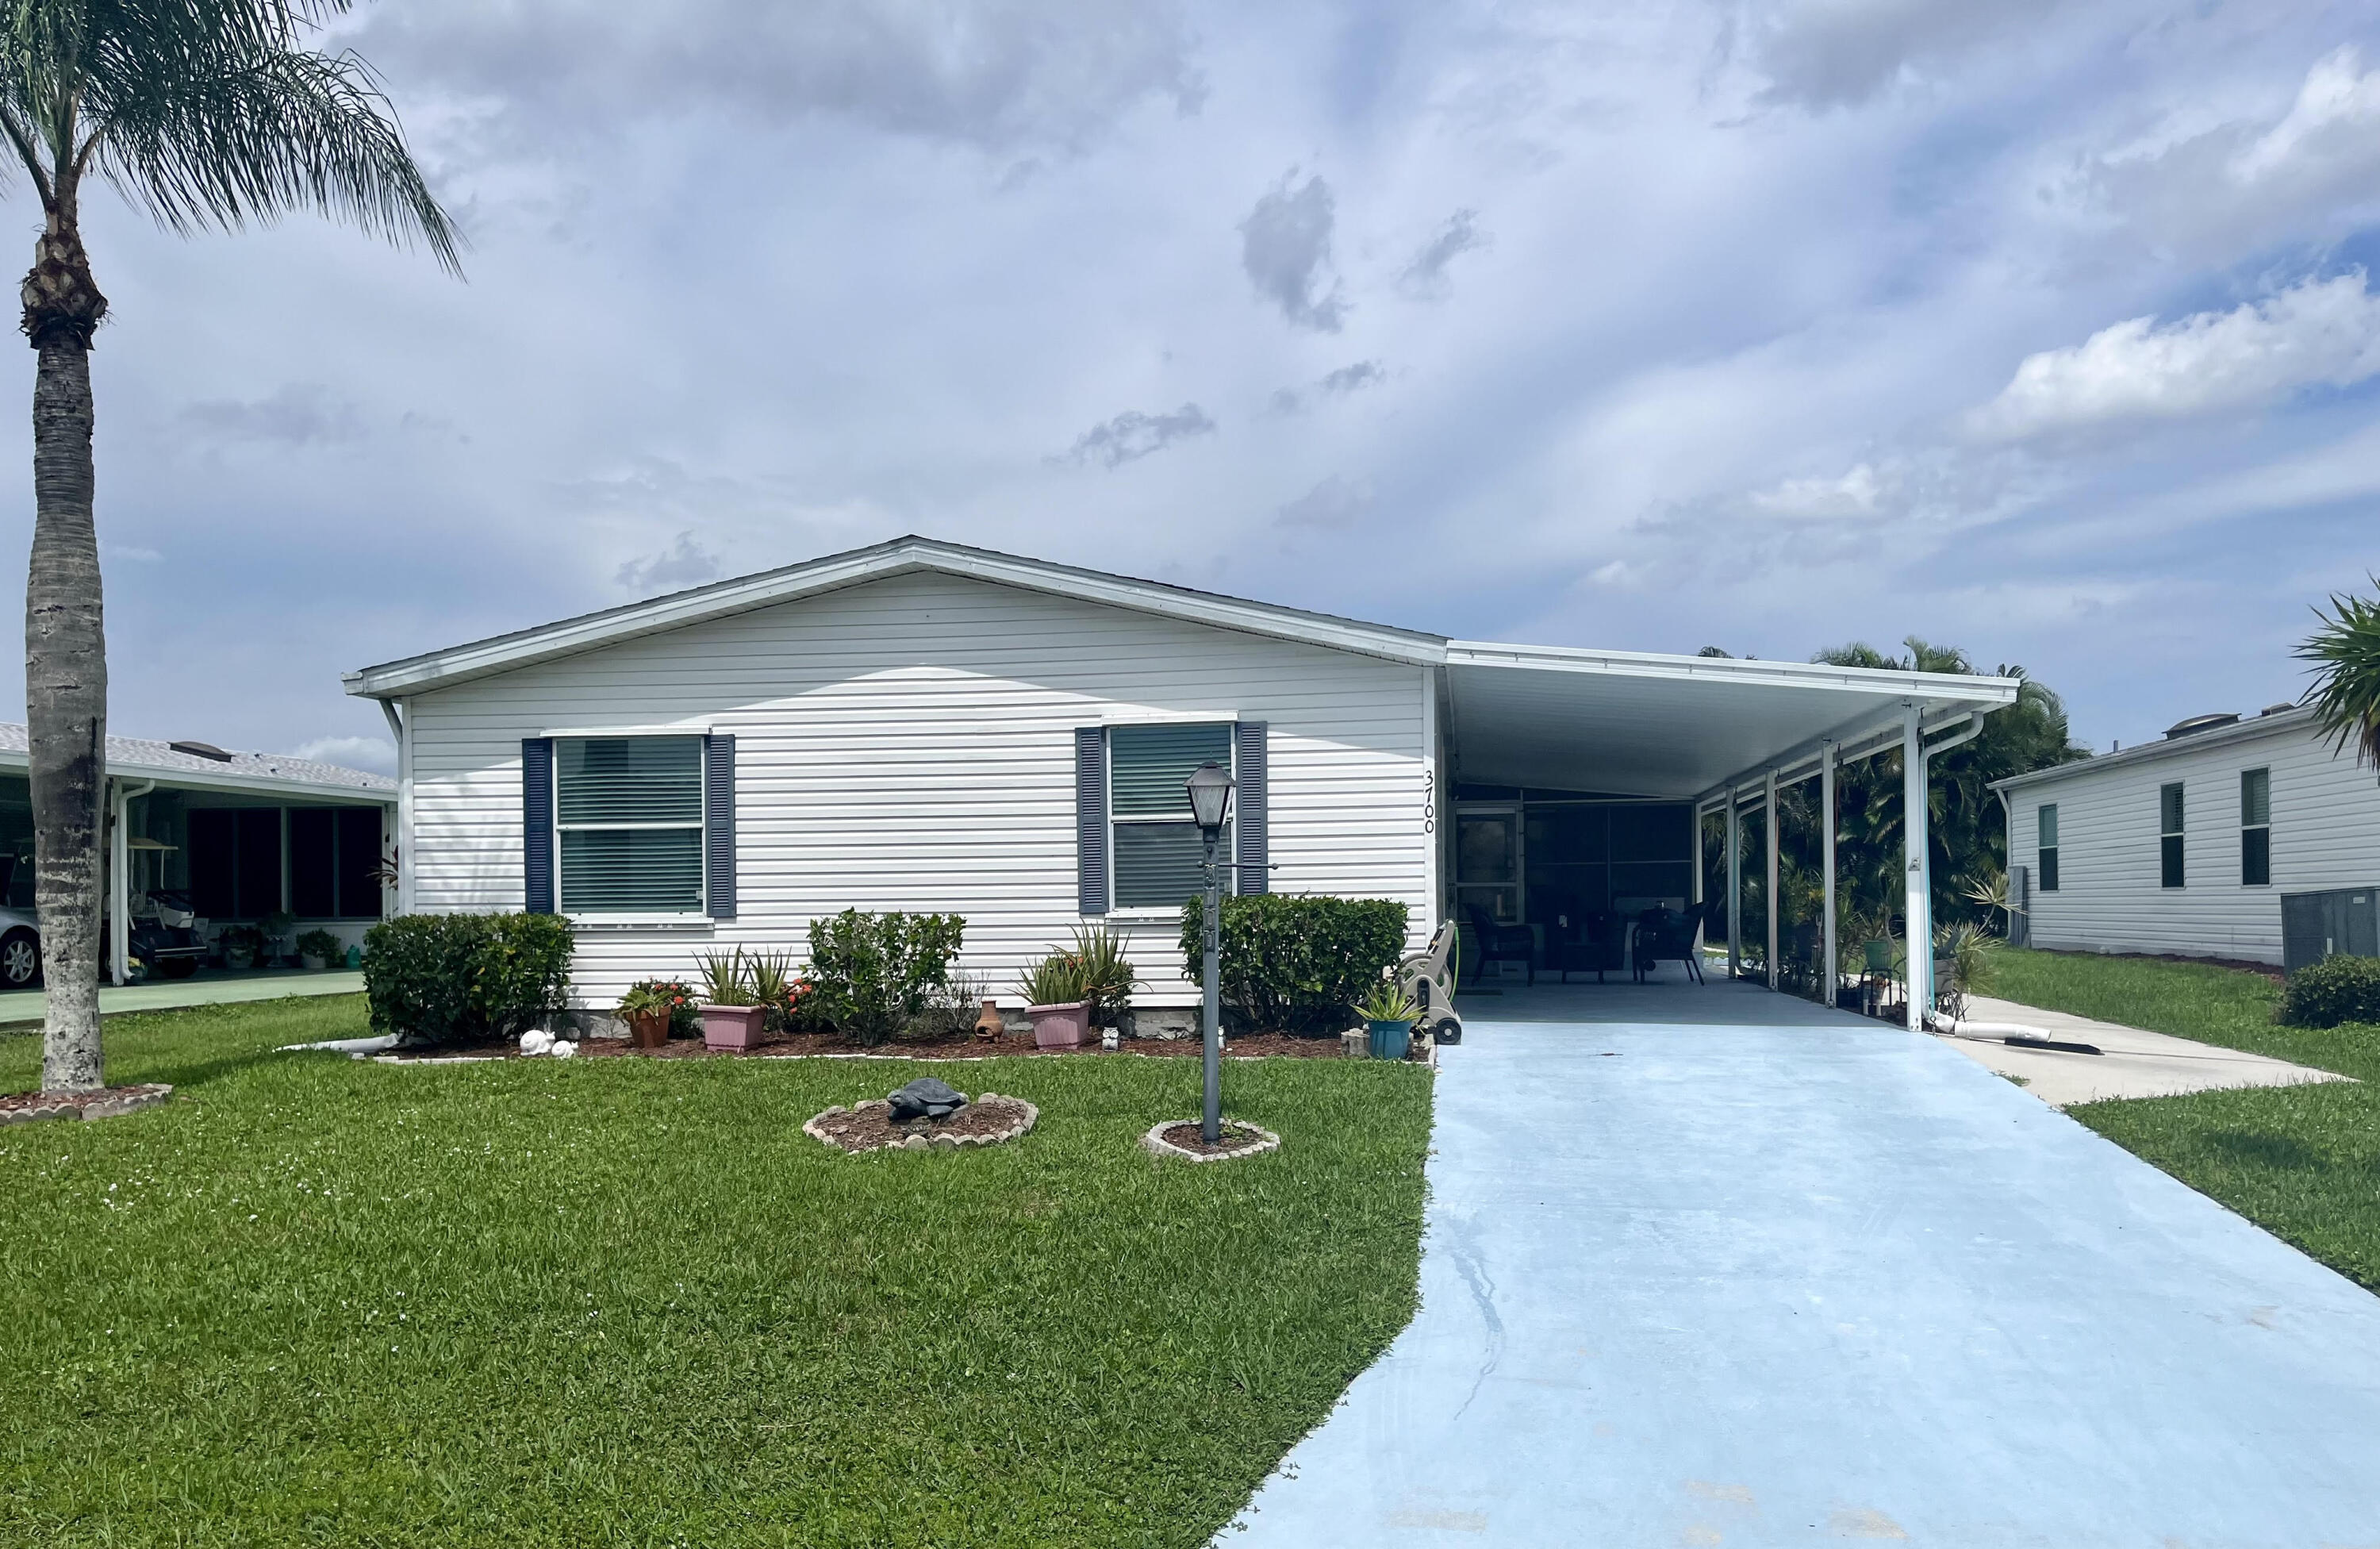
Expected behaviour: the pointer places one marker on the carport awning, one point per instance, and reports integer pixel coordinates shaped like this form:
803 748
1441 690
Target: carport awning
1680 727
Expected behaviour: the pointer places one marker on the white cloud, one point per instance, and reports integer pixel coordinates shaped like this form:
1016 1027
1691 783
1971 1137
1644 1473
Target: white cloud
2334 117
2319 333
1860 495
375 753
1838 53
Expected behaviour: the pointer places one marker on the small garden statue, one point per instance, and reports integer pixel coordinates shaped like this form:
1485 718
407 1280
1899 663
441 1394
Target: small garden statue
926 1098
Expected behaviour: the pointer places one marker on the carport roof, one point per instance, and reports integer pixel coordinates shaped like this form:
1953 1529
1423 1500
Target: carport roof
1677 726
253 774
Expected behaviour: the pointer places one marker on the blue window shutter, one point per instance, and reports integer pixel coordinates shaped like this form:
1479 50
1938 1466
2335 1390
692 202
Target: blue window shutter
537 824
1091 819
719 823
1248 740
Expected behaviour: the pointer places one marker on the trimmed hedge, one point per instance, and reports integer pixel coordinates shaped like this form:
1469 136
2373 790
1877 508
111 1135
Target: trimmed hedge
458 978
2339 989
1297 964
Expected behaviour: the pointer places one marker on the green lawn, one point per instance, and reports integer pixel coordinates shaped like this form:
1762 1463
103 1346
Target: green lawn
319 1302
2303 1161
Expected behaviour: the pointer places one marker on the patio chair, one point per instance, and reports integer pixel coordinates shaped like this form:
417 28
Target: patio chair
1428 977
1665 936
1502 943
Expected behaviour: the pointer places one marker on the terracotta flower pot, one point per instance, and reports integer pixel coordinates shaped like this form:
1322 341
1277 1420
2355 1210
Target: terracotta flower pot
649 1030
1060 1027
732 1027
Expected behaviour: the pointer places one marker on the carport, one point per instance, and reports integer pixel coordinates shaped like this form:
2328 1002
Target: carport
1573 731
242 835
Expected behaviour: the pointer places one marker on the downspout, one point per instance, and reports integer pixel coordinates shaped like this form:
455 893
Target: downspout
119 886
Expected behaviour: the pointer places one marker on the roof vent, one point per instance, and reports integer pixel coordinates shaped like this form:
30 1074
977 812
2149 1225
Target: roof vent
201 751
2192 725
2278 709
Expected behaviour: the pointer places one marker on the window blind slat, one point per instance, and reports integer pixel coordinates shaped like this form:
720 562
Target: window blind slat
1151 765
630 779
632 870
1158 865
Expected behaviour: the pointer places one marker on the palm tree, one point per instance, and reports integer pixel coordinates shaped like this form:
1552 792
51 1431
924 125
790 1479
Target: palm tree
2346 654
208 113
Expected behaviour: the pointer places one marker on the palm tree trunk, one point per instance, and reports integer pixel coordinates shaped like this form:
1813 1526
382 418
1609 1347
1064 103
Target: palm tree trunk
66 653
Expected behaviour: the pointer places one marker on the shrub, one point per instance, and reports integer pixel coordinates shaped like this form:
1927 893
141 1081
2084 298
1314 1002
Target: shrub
321 943
439 977
1292 964
776 986
2339 989
874 973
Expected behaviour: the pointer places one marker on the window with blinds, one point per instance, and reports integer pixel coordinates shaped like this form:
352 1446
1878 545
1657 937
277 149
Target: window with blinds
629 824
1158 858
2046 851
2255 828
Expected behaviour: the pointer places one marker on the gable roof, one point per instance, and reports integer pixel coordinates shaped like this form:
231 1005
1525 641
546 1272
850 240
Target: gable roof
898 556
2273 723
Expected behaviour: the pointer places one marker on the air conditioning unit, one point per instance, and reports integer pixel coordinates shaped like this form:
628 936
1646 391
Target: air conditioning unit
2318 925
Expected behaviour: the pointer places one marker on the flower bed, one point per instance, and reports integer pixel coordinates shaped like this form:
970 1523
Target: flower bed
989 1120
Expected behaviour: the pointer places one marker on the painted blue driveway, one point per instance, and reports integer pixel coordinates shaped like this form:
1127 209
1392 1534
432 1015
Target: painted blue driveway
1745 1285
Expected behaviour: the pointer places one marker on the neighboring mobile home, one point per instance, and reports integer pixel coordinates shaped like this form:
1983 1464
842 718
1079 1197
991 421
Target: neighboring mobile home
921 726
2250 838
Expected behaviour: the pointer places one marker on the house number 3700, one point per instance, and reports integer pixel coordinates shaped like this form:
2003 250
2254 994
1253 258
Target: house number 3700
1429 802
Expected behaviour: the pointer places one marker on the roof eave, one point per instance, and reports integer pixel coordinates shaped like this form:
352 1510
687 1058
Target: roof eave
883 561
2165 748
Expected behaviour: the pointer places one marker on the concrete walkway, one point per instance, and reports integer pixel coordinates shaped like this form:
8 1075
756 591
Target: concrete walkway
23 1008
2136 1063
1760 1274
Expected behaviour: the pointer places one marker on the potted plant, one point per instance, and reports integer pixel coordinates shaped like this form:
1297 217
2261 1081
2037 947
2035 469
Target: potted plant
317 949
732 1015
647 1009
240 945
1055 1002
674 996
275 928
1389 1012
1107 979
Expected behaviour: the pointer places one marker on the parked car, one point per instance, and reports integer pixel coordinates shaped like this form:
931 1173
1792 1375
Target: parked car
21 949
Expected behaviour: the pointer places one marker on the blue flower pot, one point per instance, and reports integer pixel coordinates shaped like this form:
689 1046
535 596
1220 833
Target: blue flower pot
1392 1040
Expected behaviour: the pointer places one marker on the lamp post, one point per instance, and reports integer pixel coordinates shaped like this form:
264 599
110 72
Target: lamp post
1210 801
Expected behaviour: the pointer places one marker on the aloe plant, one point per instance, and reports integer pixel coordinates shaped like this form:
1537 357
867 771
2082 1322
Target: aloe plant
727 979
1387 1002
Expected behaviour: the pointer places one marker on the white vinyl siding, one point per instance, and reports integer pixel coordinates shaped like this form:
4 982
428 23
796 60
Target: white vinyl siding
2323 828
908 744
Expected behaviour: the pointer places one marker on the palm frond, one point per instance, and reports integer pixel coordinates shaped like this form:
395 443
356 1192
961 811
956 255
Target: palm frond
2345 650
266 131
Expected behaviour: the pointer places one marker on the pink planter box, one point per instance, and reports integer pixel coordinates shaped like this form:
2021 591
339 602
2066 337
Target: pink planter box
1060 1027
732 1027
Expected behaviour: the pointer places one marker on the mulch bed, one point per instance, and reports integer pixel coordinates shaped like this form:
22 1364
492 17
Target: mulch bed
1264 1046
2239 964
1234 1137
871 1127
26 1107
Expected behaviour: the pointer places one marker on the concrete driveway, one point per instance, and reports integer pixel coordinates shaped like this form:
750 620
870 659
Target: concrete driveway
1744 1272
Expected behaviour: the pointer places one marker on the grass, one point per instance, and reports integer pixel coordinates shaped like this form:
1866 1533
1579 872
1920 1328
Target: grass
319 1302
2303 1161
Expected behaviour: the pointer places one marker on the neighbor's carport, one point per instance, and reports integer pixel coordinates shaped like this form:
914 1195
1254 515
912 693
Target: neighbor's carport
1718 732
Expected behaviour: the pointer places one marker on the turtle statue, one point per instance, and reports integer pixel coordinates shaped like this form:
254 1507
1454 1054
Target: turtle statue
926 1098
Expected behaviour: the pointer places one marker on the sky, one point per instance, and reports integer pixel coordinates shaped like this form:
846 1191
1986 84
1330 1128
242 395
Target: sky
2044 330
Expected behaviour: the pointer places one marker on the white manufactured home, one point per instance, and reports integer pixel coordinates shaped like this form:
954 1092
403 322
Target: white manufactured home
921 726
2250 838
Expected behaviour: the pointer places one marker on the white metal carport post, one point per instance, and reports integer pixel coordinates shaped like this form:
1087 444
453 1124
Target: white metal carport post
1827 968
1768 898
1734 888
1918 906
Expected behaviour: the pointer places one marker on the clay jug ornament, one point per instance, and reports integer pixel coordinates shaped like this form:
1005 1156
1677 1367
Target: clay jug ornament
989 1026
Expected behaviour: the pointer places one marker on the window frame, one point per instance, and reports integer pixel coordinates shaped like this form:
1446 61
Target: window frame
2045 856
2257 857
2173 843
700 737
1228 860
